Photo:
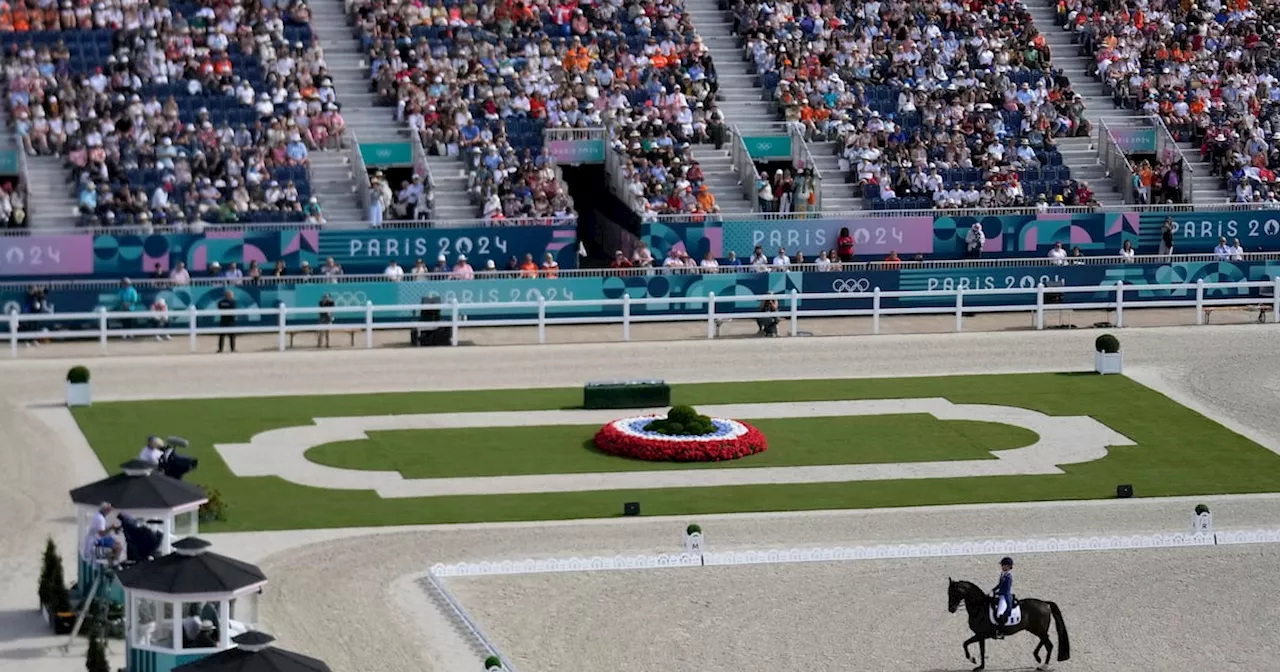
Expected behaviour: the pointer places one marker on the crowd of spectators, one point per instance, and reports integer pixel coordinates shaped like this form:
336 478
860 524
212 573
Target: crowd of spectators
482 82
1207 69
964 97
13 205
173 113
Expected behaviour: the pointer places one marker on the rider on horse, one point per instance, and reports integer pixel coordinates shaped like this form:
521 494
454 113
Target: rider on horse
1003 595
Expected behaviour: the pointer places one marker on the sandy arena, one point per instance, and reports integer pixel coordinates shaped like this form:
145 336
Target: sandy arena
351 597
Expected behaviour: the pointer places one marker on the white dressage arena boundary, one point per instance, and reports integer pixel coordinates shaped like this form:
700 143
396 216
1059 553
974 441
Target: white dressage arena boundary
282 452
434 579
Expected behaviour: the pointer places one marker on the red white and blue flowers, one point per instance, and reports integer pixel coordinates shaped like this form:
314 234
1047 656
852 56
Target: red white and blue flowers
730 440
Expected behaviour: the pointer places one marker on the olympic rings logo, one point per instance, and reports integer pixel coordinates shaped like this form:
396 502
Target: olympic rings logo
348 299
850 286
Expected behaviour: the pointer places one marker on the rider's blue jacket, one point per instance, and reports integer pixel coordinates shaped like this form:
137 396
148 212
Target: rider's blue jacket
1005 587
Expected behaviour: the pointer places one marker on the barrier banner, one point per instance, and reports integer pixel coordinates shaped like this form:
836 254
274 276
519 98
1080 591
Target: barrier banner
872 236
1132 140
576 151
1034 235
46 255
1198 232
369 250
133 255
675 290
386 154
8 163
768 147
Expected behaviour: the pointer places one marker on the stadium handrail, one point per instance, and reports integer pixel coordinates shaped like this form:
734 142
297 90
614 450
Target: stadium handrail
1117 163
1167 140
360 172
789 310
850 267
23 176
748 175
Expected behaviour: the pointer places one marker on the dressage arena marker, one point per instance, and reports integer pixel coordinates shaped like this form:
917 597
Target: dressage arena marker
282 452
434 578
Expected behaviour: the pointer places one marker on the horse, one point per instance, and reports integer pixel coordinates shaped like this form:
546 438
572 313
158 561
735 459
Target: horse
1036 617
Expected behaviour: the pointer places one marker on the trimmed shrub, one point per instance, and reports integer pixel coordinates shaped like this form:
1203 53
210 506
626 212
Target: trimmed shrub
682 421
1201 508
1107 343
492 662
53 586
78 375
96 659
214 509
693 529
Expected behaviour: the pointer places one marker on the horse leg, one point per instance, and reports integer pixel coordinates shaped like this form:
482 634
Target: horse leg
982 652
968 656
1048 651
1036 653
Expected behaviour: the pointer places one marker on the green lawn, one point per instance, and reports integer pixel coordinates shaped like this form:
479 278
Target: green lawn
569 449
1179 452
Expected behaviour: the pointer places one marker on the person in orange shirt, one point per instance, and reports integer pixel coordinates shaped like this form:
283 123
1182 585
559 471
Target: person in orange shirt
892 261
528 269
550 269
705 200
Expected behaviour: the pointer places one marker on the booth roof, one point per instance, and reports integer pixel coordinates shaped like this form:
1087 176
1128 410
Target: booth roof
139 489
254 655
191 570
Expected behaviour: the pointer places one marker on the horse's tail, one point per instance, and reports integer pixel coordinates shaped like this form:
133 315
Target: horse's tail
1064 643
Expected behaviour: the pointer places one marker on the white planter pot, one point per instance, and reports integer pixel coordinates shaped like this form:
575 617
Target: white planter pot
78 394
693 543
1202 523
1108 362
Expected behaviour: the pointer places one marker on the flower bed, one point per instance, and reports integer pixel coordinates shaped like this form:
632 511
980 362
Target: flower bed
730 440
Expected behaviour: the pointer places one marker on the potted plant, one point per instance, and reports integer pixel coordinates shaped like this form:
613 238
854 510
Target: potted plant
493 664
1107 357
693 539
78 386
96 658
55 599
1202 522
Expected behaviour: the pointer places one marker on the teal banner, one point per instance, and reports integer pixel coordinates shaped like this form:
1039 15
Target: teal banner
1200 232
386 154
369 250
8 163
768 147
575 152
1135 140
675 291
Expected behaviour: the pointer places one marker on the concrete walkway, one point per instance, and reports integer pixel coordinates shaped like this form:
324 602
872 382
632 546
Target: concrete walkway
282 452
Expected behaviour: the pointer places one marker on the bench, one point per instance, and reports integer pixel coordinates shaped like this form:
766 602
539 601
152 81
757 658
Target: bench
1262 309
319 334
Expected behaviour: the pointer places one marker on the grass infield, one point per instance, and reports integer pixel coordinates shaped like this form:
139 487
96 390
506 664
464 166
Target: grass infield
1179 452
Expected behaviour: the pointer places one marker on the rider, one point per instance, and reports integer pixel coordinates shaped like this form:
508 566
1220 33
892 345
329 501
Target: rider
1003 594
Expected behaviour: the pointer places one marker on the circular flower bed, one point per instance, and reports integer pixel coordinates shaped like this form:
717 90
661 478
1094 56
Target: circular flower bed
730 440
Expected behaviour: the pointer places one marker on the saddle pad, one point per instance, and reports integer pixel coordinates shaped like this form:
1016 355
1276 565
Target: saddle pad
1015 616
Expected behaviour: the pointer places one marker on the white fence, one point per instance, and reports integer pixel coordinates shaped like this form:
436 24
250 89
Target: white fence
454 315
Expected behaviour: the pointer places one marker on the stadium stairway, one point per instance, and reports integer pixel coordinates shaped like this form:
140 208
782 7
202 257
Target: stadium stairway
453 200
837 194
739 96
717 168
1081 154
50 201
349 68
333 185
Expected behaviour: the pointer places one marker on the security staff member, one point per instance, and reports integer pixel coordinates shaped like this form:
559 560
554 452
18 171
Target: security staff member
227 302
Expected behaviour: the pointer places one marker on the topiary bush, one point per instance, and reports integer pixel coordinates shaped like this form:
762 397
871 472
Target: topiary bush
493 662
96 658
682 421
1107 343
693 529
1201 508
78 375
53 586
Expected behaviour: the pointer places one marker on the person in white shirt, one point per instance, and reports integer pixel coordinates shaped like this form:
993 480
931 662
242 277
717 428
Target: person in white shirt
1237 252
162 320
98 526
1223 250
179 275
393 271
673 260
1058 255
824 262
759 262
709 263
1126 253
153 451
782 260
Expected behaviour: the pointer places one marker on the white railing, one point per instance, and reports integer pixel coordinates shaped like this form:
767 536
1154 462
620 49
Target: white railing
454 314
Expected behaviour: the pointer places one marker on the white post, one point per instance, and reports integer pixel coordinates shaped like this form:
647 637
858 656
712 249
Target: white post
1275 302
1200 301
280 338
1040 306
453 326
224 618
626 316
191 326
176 632
368 325
1119 305
875 310
542 319
795 313
711 314
13 333
102 328
959 309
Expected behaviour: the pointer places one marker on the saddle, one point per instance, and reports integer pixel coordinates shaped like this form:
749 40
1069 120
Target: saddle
1015 613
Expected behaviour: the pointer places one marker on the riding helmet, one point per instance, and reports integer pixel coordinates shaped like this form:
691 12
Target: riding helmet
1006 562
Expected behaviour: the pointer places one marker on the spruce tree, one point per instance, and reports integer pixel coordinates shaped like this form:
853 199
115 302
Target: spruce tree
96 660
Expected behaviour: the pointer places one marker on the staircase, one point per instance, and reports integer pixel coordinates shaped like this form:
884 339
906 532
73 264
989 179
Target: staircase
349 69
453 201
739 96
837 195
333 184
1205 188
50 203
722 181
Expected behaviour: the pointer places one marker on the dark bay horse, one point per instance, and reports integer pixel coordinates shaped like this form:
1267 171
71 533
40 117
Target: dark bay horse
1036 618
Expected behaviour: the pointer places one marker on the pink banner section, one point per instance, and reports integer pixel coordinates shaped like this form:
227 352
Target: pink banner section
46 255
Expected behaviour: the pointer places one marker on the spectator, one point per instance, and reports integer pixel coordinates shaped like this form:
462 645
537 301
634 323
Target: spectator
325 319
161 320
893 261
550 268
767 325
462 270
393 272
759 262
227 320
1058 255
528 269
129 301
732 261
709 263
974 241
643 256
419 271
1237 252
1167 230
781 262
1223 250
1126 253
823 262
844 245
179 276
619 260
331 270
442 265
